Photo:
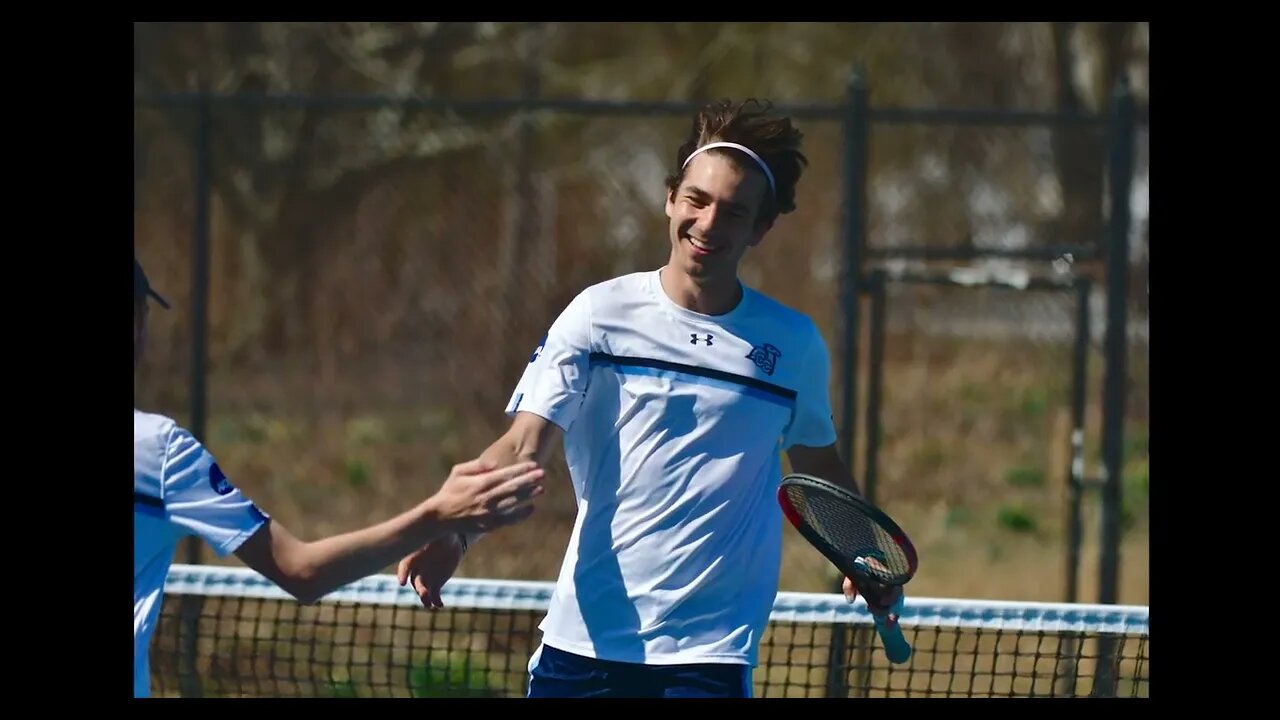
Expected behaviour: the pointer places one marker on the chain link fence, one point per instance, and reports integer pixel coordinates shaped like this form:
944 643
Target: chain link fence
380 271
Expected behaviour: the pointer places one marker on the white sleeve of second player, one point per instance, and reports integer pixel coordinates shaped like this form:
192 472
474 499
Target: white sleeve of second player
199 498
813 425
555 380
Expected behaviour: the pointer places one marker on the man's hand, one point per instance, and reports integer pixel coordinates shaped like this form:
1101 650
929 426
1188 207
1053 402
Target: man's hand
477 498
881 599
430 568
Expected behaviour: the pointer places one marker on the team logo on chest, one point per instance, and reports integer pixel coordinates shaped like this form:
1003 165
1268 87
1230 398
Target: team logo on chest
218 480
765 357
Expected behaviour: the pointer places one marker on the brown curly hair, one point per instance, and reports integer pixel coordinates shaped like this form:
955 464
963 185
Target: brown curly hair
749 123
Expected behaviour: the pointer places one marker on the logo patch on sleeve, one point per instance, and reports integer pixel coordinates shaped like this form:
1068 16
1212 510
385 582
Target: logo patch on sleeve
218 480
538 350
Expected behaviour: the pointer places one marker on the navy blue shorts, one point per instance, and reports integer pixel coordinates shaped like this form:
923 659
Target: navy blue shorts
558 674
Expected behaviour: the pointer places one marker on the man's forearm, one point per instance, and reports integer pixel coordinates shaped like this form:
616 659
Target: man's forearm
826 463
530 438
509 448
840 475
327 565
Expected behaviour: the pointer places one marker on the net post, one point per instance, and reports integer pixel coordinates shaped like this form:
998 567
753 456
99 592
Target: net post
864 638
1067 664
1075 469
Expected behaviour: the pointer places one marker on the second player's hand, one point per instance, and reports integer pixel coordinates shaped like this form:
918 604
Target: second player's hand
430 568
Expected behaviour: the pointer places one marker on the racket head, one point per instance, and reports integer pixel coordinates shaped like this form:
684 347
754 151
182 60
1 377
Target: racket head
848 530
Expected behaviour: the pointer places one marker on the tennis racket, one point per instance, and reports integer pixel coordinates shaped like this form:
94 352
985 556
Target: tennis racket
859 539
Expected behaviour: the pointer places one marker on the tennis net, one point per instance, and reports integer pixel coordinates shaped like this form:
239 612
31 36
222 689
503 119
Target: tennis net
227 631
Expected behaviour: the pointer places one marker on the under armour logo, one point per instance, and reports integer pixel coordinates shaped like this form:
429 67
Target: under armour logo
765 357
694 339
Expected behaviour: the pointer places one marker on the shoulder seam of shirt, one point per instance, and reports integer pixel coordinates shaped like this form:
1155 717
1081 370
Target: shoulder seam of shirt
164 460
591 322
815 338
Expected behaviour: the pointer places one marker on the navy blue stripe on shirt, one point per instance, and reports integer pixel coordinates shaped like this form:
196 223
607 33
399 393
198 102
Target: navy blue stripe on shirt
147 504
599 358
147 500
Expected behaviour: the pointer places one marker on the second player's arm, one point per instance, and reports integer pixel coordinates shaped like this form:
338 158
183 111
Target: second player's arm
531 438
825 463
811 443
822 462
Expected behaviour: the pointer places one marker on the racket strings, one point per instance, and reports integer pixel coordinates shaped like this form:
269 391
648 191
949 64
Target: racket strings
851 533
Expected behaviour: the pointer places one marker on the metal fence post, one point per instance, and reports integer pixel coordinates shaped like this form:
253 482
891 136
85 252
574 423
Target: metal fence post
1076 483
856 130
1121 144
875 381
865 639
191 605
1117 371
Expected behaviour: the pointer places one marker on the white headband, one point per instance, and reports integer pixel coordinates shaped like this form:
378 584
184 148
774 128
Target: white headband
768 175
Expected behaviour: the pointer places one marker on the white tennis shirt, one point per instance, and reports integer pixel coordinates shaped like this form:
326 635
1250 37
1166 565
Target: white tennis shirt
674 422
178 490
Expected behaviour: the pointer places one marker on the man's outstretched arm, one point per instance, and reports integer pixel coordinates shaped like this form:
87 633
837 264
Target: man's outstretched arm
201 500
474 498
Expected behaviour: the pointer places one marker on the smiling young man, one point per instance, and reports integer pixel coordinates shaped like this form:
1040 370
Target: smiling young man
675 391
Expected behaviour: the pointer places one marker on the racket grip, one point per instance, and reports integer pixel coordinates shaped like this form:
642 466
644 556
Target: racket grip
896 647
